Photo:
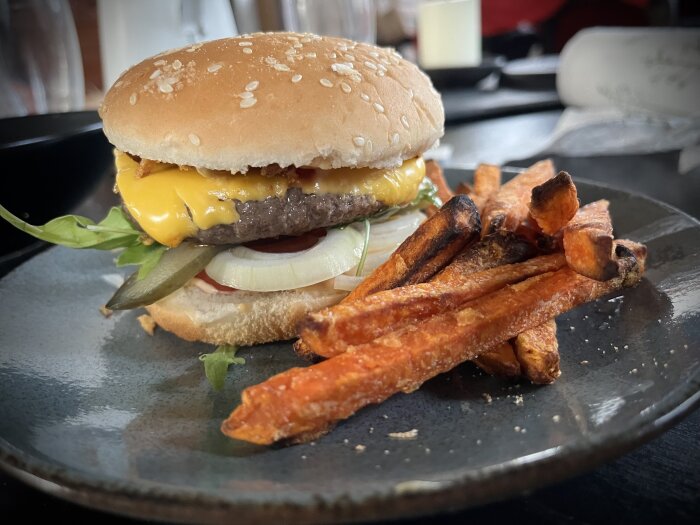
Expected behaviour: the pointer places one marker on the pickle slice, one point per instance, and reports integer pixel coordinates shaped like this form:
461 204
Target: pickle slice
175 268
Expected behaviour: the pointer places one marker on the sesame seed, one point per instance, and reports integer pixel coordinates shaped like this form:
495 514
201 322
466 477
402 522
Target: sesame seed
246 94
292 38
155 74
132 99
349 57
359 141
364 96
370 146
380 73
310 55
345 87
370 65
374 54
177 65
404 121
252 86
247 51
194 139
296 78
395 138
360 448
165 88
214 68
290 51
305 40
378 107
333 55
282 67
245 44
159 63
556 418
270 60
297 45
326 83
248 102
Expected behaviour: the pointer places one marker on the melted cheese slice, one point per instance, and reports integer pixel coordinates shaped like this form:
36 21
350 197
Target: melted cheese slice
171 204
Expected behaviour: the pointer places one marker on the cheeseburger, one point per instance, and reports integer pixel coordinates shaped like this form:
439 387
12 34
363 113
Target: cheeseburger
266 175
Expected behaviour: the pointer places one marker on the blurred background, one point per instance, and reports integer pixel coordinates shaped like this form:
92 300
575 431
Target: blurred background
60 55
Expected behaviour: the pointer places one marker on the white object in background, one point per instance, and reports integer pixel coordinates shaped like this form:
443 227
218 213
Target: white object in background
41 68
131 30
353 19
449 34
656 70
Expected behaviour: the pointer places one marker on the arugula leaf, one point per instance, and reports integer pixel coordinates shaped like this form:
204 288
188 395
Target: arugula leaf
144 255
216 364
74 231
427 196
365 246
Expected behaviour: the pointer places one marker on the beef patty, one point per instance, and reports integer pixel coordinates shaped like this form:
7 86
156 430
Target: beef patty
293 214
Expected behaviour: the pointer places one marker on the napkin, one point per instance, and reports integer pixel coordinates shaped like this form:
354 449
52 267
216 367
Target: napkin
629 91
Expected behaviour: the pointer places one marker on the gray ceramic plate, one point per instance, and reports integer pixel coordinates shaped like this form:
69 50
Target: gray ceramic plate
96 411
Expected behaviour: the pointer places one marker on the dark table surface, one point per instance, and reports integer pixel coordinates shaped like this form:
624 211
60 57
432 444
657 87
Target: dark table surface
658 482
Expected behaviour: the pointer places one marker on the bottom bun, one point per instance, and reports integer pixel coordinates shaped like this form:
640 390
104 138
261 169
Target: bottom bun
239 318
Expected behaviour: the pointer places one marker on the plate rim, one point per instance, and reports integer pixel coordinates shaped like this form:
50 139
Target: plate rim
159 501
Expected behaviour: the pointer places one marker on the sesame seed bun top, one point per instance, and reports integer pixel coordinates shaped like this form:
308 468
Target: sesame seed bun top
276 98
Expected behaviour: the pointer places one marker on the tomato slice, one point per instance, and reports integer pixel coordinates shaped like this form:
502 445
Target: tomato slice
286 244
204 277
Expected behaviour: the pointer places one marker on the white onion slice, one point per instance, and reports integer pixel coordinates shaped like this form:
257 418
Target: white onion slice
246 269
389 234
347 282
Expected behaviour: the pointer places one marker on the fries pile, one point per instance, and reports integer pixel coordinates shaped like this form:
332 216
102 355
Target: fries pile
482 279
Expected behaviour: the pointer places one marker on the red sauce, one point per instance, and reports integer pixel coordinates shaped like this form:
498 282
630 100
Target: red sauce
286 244
204 277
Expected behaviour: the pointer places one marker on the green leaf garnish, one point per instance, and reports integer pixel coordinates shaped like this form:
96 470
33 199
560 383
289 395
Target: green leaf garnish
114 231
427 196
74 231
365 246
144 255
216 364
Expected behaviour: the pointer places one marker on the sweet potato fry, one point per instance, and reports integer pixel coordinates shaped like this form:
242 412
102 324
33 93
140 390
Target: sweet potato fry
499 361
428 250
302 400
463 188
487 182
433 171
554 203
537 351
494 250
508 208
332 330
588 242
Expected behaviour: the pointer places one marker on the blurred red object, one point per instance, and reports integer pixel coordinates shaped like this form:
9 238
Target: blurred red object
504 16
